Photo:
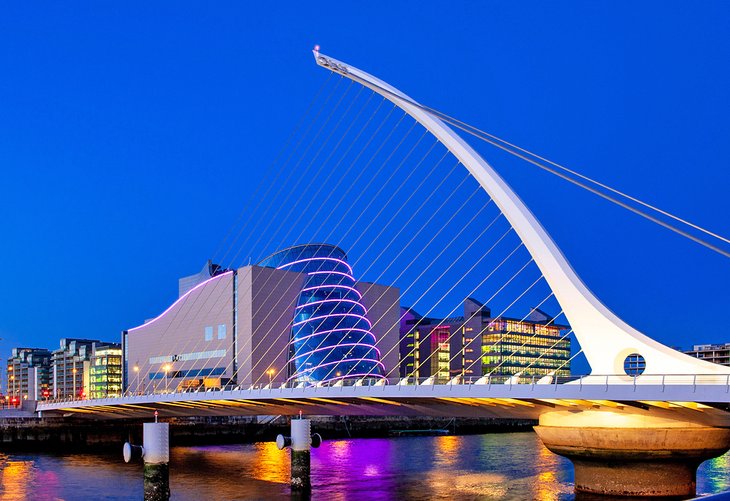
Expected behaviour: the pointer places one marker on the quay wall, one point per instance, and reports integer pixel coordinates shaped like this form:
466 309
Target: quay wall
67 435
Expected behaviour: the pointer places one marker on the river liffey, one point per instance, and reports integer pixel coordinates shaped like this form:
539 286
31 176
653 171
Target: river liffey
510 466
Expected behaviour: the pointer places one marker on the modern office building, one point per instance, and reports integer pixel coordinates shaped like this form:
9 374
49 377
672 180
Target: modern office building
28 372
476 344
105 371
716 353
298 315
70 368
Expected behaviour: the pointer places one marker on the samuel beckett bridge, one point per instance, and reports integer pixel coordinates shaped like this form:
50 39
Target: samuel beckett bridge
372 171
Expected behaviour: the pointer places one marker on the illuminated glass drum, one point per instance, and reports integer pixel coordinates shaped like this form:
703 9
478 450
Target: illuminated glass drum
331 336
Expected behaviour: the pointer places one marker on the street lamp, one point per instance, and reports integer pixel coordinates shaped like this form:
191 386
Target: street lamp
74 371
136 372
166 368
271 373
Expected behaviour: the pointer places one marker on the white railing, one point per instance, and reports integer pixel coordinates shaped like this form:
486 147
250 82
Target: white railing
592 381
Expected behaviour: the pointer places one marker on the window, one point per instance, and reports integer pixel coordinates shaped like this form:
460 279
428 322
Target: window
222 331
209 333
634 365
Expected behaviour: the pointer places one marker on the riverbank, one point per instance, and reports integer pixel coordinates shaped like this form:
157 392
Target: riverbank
75 435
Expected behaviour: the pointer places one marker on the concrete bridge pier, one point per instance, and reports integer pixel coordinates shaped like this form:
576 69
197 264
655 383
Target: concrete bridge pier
624 454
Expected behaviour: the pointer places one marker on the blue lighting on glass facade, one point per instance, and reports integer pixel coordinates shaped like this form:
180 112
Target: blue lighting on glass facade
331 335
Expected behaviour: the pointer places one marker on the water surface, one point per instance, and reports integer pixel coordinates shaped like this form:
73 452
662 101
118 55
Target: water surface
510 466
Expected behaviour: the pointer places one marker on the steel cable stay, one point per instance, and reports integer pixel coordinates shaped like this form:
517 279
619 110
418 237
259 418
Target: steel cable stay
288 177
552 321
554 372
508 282
372 221
343 216
537 160
301 196
384 142
314 139
351 226
448 340
269 181
431 263
415 235
391 221
344 195
331 154
463 276
505 310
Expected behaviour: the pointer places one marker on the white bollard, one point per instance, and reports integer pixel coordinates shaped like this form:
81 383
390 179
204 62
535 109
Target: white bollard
156 443
301 441
301 437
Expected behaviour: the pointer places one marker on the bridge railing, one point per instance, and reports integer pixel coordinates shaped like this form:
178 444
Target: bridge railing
589 380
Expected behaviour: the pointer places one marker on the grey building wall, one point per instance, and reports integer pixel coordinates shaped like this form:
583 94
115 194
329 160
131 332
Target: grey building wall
260 302
194 336
383 304
266 301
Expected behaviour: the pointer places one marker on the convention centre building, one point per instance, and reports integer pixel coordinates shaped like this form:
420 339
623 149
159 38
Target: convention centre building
299 316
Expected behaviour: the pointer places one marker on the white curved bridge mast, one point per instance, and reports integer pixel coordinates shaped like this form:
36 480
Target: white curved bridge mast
605 339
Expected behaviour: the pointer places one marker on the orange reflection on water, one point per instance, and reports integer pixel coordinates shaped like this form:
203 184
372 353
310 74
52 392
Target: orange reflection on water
547 484
340 449
15 479
487 486
270 464
447 449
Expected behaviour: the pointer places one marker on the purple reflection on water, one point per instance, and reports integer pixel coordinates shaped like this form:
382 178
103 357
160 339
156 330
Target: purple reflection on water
510 466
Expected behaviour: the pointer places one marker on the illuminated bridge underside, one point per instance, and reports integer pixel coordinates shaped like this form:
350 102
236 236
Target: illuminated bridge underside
699 404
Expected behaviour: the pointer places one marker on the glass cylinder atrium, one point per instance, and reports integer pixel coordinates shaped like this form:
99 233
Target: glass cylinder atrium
331 337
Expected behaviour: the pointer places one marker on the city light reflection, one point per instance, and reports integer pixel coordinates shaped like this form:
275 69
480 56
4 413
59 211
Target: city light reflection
714 475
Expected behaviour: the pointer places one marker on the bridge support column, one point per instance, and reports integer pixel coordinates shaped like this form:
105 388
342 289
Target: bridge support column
156 444
631 455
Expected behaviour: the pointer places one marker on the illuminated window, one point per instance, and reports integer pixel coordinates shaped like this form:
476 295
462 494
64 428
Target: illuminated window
222 331
209 333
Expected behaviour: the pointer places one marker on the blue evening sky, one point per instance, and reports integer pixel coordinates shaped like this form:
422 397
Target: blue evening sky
132 135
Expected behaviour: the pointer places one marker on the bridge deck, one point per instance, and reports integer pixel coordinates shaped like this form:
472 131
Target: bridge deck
704 404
